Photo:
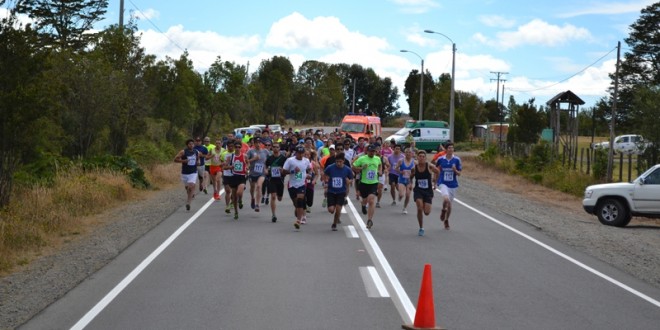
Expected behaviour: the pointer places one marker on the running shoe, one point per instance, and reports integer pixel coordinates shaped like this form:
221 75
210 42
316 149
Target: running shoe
240 204
273 219
364 209
378 204
308 210
370 224
236 216
205 191
227 209
187 207
443 214
420 232
252 204
393 203
405 211
297 224
446 222
385 188
256 209
267 200
325 202
303 221
334 227
216 196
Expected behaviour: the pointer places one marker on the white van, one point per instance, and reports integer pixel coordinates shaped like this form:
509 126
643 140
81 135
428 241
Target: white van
428 135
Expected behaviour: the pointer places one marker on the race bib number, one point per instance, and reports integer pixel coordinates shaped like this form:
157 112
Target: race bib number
258 168
448 176
238 167
424 183
337 182
371 175
275 172
192 161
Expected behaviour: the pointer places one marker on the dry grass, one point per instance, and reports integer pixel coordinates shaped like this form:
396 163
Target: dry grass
41 219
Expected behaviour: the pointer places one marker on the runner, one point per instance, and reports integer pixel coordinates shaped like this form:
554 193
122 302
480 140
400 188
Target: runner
311 182
393 174
370 168
257 160
338 178
423 191
201 168
215 167
207 168
405 167
268 145
451 168
274 165
298 167
189 158
227 157
381 177
238 168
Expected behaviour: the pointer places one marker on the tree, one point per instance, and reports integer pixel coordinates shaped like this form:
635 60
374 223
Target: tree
528 122
647 101
640 66
412 89
22 98
275 77
64 24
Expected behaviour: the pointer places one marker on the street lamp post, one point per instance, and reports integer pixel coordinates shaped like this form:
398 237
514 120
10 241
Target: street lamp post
421 84
453 78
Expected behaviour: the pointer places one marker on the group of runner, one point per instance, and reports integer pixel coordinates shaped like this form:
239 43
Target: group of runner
340 163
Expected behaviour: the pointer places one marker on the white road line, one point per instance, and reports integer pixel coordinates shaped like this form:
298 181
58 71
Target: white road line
551 249
98 308
351 232
401 300
382 291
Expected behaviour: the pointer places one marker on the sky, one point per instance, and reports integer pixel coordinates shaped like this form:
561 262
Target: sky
544 47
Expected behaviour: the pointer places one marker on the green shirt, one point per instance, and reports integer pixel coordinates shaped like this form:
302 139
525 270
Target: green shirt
370 174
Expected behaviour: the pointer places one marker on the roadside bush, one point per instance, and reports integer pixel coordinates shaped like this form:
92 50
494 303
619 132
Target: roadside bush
600 165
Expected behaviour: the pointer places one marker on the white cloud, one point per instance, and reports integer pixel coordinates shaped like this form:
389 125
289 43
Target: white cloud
610 8
416 6
147 14
536 32
496 21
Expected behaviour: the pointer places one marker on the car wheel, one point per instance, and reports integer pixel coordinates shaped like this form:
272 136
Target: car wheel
613 212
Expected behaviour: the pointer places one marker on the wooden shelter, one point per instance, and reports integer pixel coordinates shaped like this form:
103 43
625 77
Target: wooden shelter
564 109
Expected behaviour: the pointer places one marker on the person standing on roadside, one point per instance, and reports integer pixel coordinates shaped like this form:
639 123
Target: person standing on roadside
450 167
298 167
274 165
423 192
338 178
189 159
370 168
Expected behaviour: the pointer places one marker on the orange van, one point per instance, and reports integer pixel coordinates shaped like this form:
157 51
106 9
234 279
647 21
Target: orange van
360 125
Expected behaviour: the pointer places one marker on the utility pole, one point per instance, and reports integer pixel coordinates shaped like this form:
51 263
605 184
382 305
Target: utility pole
610 153
497 94
121 14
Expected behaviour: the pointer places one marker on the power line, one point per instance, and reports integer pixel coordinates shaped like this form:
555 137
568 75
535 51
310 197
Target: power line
563 80
155 26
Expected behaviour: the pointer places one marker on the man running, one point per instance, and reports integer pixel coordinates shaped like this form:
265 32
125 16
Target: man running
423 191
227 157
338 178
370 168
238 168
214 162
201 168
257 160
189 159
451 168
274 165
393 174
298 167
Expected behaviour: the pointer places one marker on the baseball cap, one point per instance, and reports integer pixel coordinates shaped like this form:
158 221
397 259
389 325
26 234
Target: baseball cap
332 146
300 149
371 147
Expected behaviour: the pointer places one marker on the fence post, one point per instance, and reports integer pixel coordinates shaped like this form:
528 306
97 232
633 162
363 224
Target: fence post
581 158
629 166
589 153
574 160
620 167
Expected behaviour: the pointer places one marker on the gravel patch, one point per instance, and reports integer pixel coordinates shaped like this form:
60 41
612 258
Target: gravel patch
634 249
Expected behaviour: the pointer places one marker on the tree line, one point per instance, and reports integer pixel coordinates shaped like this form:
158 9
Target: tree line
66 93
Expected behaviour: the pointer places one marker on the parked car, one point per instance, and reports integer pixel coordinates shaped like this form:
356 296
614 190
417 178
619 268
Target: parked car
275 128
616 203
625 144
252 129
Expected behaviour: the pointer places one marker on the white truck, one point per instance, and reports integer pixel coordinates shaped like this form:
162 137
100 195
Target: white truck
615 203
625 144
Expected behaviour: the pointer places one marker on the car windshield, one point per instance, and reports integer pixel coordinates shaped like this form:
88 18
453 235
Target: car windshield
352 127
403 132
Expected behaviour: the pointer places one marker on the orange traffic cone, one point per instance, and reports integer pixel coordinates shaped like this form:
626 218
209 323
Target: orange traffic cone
425 314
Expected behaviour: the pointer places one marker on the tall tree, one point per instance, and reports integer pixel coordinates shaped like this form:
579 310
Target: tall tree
65 24
528 122
276 79
412 89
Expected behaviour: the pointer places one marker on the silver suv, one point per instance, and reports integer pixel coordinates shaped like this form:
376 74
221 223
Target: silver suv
616 203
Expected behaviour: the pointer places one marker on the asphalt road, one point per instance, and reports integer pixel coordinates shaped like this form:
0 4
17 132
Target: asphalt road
203 270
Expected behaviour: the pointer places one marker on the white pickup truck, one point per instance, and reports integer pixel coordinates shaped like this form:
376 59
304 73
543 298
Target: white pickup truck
616 203
625 144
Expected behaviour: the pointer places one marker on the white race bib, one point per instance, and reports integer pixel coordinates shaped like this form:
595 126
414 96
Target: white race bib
448 176
423 183
371 175
258 168
337 182
192 161
275 172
